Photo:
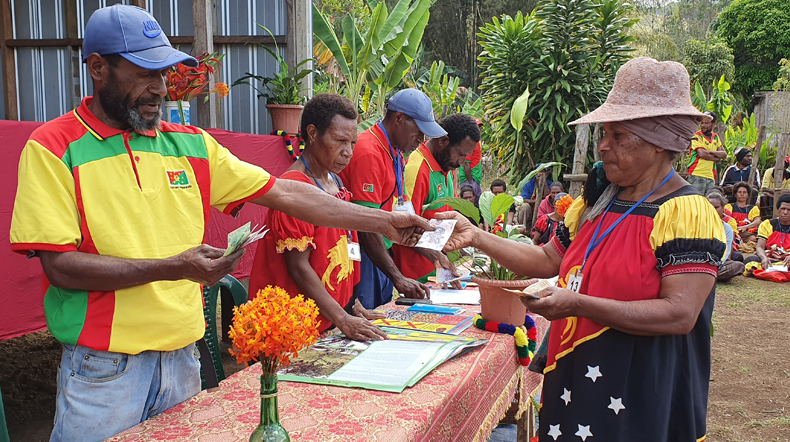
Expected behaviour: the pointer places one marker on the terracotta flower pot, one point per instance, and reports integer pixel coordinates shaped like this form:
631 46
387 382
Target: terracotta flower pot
499 305
285 117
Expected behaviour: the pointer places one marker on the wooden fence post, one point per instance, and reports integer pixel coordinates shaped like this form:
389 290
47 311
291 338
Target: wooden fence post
779 168
9 62
597 135
203 20
579 158
756 153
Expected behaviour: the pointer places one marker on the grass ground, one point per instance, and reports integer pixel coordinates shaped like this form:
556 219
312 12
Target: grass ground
750 377
749 390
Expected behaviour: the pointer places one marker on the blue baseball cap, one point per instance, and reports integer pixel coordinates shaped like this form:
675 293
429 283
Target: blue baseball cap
417 105
135 35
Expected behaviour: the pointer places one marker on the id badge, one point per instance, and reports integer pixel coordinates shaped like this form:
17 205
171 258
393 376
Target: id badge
405 206
575 281
354 252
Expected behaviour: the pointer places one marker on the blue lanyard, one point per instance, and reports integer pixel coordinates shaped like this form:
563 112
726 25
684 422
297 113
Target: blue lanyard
595 241
322 187
397 162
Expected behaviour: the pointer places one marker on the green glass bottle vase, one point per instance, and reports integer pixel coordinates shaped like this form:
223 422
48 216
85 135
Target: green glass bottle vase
269 430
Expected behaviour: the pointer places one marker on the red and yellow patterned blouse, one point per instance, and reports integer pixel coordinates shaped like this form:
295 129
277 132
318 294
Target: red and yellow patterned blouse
328 257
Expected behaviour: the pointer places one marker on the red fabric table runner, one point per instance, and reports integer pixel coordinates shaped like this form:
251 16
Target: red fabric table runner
462 400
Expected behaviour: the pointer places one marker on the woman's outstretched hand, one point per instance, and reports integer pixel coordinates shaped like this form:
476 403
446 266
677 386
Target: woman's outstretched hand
464 233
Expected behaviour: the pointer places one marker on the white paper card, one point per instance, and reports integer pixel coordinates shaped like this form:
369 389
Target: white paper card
354 252
467 297
405 206
436 239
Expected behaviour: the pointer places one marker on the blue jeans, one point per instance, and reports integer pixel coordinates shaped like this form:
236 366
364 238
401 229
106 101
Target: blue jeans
102 393
374 288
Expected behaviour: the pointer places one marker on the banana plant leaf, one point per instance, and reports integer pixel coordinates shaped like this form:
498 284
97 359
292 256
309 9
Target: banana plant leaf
532 174
326 34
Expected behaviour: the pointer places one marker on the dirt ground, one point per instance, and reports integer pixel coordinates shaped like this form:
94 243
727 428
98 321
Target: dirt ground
750 380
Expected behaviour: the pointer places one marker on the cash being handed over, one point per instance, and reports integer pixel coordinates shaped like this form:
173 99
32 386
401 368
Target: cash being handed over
532 290
244 236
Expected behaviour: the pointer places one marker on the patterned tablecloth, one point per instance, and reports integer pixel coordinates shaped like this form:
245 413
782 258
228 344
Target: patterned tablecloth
462 400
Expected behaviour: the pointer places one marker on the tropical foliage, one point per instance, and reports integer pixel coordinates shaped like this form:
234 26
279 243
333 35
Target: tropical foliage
719 101
707 61
565 54
285 86
782 83
370 64
746 136
756 30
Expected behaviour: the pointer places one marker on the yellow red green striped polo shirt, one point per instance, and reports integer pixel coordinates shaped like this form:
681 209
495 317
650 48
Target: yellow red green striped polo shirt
426 182
84 186
697 166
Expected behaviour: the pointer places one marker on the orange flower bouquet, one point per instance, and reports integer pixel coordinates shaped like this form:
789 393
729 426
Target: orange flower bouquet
185 83
563 205
272 329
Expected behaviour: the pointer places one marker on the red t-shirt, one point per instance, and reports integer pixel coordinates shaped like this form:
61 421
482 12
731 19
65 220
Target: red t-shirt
328 257
370 176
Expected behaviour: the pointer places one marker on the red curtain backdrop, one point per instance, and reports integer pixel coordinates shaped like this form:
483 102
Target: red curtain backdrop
21 298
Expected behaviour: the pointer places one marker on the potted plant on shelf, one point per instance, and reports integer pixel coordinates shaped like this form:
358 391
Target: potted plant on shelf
282 91
185 83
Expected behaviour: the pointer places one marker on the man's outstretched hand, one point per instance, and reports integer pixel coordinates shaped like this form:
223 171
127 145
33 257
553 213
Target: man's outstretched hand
405 228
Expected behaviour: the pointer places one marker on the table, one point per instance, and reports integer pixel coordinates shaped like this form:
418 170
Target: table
462 400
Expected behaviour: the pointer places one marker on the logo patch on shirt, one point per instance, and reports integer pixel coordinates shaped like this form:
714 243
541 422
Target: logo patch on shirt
367 188
440 188
178 179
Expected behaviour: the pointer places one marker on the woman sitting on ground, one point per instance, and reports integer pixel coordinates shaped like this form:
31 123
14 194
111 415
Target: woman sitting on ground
312 260
719 201
546 224
773 239
637 259
747 215
733 261
547 205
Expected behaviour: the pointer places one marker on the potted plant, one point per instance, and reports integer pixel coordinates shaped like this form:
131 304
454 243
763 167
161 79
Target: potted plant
185 83
496 303
282 91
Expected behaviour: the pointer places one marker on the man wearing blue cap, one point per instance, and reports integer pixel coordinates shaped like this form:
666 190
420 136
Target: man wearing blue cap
375 178
115 204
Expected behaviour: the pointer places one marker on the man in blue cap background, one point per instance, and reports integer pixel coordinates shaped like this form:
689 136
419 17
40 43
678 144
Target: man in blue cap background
115 204
375 178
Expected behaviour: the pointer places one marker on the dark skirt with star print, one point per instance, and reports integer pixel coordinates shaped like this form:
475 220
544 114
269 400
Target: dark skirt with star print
631 388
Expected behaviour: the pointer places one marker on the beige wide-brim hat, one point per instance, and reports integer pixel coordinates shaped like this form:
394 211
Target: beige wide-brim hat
643 88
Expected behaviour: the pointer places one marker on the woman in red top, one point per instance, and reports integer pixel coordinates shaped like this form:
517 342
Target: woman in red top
637 258
312 260
747 215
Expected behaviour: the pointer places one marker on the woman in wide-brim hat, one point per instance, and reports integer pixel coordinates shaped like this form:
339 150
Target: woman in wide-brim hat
637 256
